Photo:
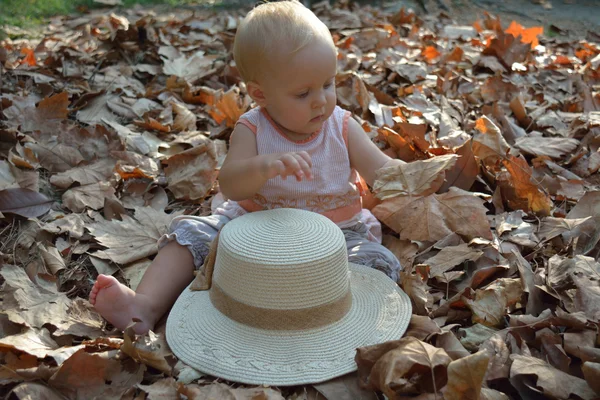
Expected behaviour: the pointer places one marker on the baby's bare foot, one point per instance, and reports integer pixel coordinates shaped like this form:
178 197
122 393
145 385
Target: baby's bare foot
119 305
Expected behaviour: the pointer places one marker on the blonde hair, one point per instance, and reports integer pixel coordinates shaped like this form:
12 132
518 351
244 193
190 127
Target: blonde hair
272 30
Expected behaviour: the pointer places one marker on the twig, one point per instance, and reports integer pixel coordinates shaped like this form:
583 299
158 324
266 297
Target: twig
91 79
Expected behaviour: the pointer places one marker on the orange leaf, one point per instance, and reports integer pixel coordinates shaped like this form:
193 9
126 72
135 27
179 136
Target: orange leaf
562 60
584 54
29 57
430 53
477 27
520 173
528 35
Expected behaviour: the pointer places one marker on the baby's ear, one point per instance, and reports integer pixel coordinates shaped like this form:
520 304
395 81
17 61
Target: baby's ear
257 94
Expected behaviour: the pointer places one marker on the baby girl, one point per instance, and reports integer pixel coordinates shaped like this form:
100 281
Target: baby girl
296 149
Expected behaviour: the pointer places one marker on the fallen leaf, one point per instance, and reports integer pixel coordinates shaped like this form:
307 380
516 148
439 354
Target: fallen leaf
465 376
166 389
149 349
192 68
435 216
464 172
449 257
591 372
24 202
417 178
38 343
528 35
91 196
89 376
133 238
412 367
85 175
32 390
521 179
185 119
344 387
488 144
491 304
192 173
222 391
452 346
538 374
546 146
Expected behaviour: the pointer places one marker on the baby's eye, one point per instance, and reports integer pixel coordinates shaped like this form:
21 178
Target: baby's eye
302 95
328 85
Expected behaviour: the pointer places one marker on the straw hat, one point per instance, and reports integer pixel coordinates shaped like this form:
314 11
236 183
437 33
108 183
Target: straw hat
284 306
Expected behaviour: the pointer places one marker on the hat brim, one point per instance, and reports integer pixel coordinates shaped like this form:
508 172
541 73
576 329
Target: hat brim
205 339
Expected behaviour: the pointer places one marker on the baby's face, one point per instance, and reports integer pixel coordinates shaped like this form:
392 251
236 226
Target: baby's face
300 94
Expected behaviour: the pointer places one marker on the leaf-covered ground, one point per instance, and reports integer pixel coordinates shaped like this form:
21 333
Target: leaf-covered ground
114 122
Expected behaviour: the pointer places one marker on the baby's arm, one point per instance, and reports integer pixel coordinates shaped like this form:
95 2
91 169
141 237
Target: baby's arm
365 156
244 172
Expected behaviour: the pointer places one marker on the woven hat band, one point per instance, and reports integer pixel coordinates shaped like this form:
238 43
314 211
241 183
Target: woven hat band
277 319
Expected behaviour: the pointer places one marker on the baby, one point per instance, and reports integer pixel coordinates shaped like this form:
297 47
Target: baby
297 149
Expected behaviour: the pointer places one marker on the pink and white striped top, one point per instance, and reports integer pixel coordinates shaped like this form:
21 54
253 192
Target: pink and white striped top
333 191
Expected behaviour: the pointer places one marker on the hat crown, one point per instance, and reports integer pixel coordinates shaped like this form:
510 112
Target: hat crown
282 259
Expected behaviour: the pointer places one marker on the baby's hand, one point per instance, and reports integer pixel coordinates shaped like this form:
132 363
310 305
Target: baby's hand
297 164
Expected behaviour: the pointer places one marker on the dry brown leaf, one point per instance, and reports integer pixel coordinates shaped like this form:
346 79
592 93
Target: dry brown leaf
452 345
551 227
55 157
192 68
88 376
521 179
38 343
91 196
344 387
451 256
435 216
591 372
24 202
52 259
150 349
465 377
46 117
411 368
32 304
546 146
491 394
222 391
185 119
416 288
536 373
417 178
73 224
507 49
587 206
191 174
488 144
85 175
464 172
133 238
166 389
404 250
228 107
422 327
491 304
32 390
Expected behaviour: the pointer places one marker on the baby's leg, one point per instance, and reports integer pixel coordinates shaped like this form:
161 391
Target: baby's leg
365 252
169 273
